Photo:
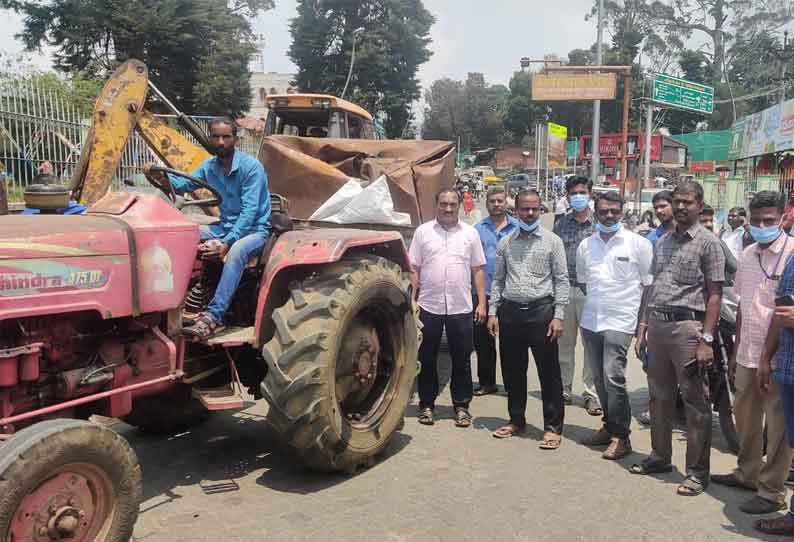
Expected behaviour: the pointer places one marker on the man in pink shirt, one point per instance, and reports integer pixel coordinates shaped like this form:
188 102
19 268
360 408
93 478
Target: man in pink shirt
760 268
444 254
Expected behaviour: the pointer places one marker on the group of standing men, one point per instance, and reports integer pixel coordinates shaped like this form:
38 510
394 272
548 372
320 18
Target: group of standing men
537 289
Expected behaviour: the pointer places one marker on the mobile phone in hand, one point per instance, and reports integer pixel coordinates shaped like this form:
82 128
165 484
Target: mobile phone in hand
784 301
692 367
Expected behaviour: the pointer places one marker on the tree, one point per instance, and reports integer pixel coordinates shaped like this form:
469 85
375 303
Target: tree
195 49
473 111
388 53
721 21
445 110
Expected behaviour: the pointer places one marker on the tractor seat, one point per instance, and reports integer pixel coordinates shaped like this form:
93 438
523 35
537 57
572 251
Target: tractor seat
279 223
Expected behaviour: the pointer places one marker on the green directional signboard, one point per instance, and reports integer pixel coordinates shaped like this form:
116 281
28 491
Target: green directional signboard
675 92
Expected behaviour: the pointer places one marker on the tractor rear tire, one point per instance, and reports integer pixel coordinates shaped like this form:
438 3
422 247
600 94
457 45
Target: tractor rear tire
166 413
303 360
68 480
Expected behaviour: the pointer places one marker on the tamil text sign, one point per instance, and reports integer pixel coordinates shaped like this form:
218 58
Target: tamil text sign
770 130
573 86
557 136
683 94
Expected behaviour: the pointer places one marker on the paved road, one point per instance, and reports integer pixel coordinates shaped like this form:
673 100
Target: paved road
229 480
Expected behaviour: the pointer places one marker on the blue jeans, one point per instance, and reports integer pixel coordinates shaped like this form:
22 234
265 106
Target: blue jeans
233 266
787 393
605 353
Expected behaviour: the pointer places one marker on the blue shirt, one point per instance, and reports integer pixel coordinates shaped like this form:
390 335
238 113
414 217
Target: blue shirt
489 238
245 208
784 362
655 235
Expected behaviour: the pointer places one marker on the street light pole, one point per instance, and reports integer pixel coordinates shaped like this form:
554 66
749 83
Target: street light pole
356 32
595 166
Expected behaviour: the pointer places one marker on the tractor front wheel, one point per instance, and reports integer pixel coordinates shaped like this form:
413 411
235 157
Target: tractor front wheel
68 480
342 362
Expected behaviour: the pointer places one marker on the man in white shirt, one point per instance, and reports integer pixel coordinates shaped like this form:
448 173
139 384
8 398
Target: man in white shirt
614 264
444 255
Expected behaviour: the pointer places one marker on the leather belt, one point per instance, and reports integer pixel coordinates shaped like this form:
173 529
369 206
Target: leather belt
676 315
532 304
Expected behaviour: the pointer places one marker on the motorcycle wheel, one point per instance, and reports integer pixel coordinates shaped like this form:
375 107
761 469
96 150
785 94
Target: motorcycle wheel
727 424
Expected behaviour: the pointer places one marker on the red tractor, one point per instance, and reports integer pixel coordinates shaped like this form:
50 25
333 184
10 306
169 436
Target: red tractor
322 327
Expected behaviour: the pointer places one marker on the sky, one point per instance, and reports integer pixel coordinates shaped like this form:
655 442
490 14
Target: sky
488 36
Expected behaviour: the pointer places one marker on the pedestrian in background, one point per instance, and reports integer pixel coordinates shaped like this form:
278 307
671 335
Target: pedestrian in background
738 237
663 208
760 268
560 208
528 297
445 253
492 229
731 264
573 228
614 265
468 203
683 308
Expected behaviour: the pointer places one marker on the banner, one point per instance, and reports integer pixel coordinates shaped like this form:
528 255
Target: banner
557 136
573 86
768 131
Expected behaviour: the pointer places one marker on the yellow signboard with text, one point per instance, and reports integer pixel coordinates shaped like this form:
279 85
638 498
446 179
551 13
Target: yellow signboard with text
557 137
573 86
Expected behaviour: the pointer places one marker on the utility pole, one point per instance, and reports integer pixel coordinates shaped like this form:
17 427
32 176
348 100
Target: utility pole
647 173
595 166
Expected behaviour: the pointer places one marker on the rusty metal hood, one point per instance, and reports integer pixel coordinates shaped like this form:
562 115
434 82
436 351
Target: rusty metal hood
57 236
308 171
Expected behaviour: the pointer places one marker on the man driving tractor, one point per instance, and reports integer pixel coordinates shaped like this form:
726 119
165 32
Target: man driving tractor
244 225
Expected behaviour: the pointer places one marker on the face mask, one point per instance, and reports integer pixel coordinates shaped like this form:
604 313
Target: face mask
579 202
529 228
609 229
765 235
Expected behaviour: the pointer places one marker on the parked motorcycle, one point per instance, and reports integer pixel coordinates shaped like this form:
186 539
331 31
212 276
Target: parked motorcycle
720 388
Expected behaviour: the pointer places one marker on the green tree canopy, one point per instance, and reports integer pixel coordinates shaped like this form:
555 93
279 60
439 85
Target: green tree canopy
389 51
472 110
197 51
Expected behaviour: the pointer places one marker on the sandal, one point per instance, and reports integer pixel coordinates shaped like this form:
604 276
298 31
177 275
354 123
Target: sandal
780 525
507 431
691 487
551 441
426 417
593 410
650 466
462 417
204 327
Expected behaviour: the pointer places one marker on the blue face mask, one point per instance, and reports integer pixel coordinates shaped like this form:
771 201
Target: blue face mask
579 202
529 228
603 228
765 235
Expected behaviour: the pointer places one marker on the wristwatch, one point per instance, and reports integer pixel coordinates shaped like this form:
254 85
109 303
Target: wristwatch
708 338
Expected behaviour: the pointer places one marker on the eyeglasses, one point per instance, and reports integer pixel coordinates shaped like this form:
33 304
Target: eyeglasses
607 212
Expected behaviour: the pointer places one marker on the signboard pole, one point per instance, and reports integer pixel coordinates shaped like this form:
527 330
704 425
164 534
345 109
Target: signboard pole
537 155
595 164
547 157
627 82
648 130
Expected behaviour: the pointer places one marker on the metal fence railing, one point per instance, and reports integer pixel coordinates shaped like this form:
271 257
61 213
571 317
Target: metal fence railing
37 125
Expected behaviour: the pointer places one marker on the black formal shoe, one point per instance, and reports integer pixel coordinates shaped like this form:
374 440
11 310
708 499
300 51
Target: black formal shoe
484 390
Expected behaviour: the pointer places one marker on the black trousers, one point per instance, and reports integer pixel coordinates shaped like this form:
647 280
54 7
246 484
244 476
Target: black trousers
485 346
459 335
519 332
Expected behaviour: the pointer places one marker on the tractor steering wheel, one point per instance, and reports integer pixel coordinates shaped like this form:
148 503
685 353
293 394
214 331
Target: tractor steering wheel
168 189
